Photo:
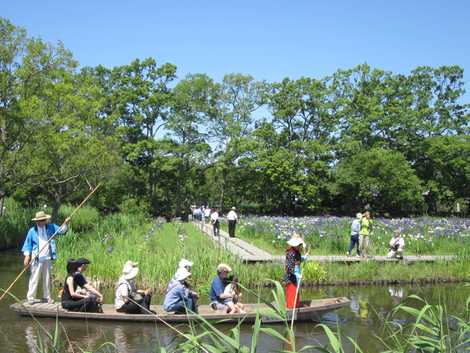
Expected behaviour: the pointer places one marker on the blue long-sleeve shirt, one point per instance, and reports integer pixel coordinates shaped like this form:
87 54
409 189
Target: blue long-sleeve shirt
31 243
355 227
178 293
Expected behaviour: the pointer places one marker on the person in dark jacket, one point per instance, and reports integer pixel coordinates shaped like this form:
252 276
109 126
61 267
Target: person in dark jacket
78 300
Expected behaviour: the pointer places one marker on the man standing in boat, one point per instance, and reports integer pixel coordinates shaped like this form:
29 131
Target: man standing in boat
39 251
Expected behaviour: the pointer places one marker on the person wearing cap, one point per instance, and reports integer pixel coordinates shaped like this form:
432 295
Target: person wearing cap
128 298
180 299
232 222
72 298
364 234
293 274
355 228
397 245
39 250
183 264
219 299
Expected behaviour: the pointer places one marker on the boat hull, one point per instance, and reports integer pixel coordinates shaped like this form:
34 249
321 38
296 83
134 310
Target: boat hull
308 311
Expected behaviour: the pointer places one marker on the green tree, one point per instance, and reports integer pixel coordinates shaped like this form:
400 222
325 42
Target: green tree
381 178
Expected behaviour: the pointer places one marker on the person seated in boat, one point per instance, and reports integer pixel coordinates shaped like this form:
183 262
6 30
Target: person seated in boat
293 273
72 300
219 299
397 245
128 298
180 299
232 288
186 264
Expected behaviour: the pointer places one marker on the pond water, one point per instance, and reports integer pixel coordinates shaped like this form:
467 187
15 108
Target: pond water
360 320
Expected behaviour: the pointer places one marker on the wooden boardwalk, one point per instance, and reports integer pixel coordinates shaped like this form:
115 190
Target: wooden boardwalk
249 253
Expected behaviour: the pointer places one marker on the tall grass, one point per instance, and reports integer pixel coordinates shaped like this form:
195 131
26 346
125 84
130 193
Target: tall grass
157 247
14 224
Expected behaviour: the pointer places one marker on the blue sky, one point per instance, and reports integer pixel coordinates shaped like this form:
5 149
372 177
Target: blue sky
267 39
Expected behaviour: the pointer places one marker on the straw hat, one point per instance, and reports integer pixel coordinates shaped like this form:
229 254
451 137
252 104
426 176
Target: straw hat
130 270
182 274
224 267
296 240
359 215
185 263
41 216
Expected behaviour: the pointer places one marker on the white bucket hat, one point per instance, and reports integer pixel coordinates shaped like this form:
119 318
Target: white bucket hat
359 215
181 274
296 240
130 270
185 263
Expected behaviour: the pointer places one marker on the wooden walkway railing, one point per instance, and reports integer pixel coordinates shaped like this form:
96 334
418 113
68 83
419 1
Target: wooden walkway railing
250 253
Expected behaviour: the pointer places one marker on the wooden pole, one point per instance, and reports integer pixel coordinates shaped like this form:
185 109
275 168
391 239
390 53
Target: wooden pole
5 292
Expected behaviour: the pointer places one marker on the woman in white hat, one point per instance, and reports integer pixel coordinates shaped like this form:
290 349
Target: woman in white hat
183 264
292 269
128 299
180 299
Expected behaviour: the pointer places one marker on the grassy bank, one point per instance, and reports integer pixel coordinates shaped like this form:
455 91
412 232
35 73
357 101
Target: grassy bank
331 235
159 246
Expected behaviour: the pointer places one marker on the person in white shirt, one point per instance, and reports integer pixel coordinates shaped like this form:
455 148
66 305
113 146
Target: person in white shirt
39 250
232 222
215 222
397 245
207 213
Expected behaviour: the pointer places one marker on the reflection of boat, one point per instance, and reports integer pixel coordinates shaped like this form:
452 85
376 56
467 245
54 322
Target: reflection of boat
308 310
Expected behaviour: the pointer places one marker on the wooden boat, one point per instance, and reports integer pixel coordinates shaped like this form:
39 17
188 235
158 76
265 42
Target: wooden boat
309 310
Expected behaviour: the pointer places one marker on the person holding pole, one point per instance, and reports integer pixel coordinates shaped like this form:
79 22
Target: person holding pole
39 252
293 273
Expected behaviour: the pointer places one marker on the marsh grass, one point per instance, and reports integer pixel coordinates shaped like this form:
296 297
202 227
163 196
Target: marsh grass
157 247
13 224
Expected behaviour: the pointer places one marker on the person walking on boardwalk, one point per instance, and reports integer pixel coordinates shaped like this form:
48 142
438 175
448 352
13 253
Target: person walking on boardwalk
355 229
364 234
232 222
40 251
215 223
292 270
128 298
75 300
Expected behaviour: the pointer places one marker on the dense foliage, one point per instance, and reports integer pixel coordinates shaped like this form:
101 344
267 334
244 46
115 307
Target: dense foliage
307 146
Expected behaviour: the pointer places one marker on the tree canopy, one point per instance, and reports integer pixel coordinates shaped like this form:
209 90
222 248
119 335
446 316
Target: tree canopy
361 136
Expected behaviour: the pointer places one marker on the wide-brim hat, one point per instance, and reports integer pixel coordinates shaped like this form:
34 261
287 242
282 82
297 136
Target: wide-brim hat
224 267
185 263
181 274
130 270
41 216
296 240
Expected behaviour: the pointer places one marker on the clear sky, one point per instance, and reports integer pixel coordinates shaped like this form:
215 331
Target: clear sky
267 39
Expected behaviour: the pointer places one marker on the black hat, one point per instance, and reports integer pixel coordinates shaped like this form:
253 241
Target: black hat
82 261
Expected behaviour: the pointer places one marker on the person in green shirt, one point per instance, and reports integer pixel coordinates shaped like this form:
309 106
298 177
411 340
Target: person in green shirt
364 234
